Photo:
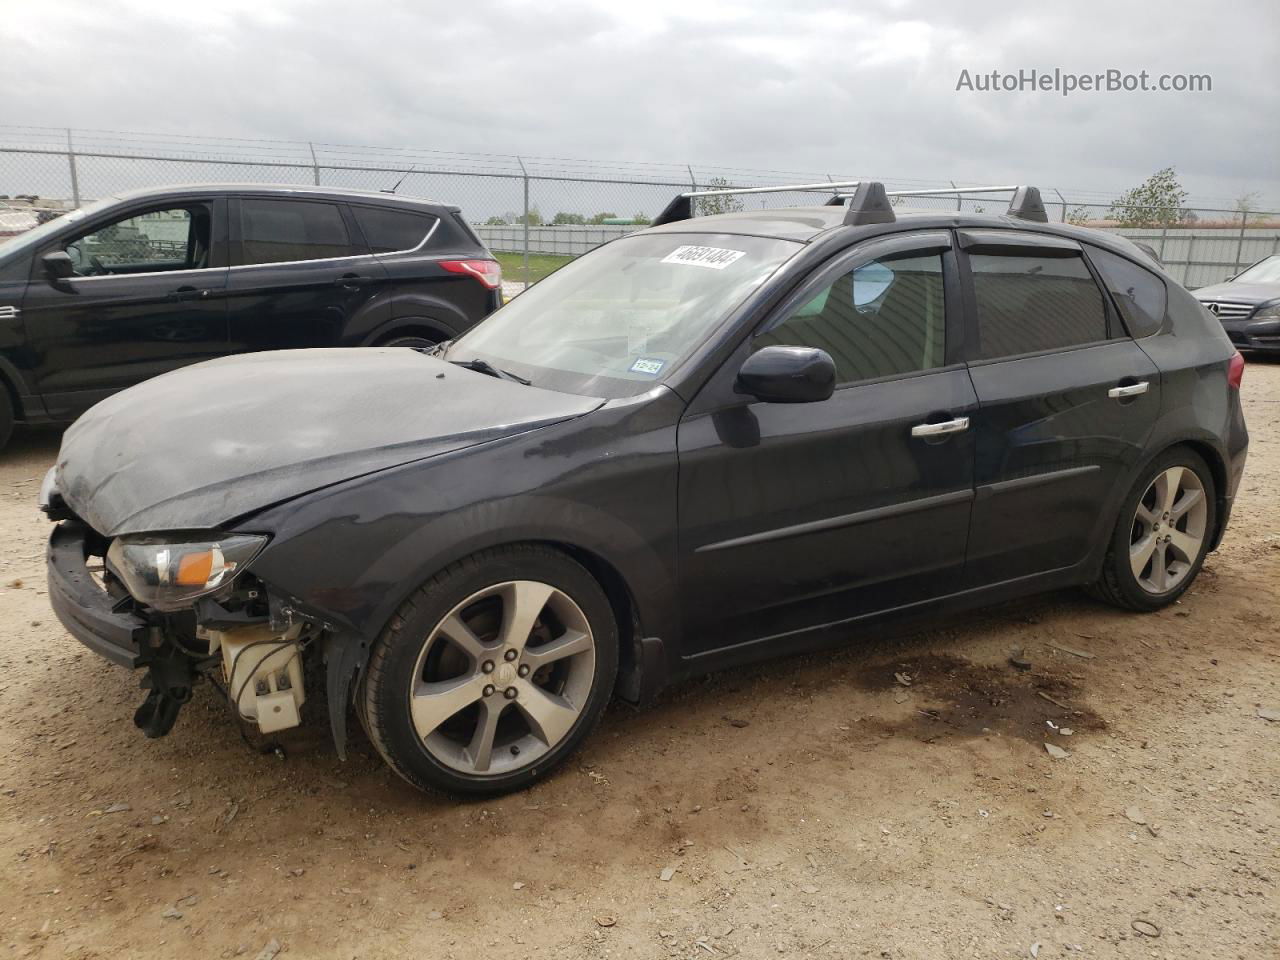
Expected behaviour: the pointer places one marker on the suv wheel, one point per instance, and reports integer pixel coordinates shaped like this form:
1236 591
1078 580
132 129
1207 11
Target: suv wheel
492 672
1162 534
414 343
6 416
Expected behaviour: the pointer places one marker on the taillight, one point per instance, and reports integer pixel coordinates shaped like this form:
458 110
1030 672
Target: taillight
1235 370
488 272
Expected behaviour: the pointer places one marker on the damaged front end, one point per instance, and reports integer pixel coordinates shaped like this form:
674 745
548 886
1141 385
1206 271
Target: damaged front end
184 609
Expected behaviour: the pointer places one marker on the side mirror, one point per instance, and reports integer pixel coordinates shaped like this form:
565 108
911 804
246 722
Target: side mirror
58 265
788 375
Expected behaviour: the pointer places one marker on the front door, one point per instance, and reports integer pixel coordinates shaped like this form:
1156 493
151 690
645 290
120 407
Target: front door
1066 403
300 273
793 517
147 297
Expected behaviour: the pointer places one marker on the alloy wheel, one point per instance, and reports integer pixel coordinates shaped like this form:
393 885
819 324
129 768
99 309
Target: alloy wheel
503 678
1169 529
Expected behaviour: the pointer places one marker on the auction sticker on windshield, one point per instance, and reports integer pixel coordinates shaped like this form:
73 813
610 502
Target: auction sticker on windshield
717 258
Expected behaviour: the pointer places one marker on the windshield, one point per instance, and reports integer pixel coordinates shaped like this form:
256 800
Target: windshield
621 318
1266 271
38 235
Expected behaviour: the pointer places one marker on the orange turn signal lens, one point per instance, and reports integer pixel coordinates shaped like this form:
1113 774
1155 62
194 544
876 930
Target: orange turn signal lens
195 569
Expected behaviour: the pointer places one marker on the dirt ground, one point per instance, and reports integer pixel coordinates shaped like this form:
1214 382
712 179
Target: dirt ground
811 807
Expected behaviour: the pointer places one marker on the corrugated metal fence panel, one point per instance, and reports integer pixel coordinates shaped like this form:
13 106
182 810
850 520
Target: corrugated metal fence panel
1200 257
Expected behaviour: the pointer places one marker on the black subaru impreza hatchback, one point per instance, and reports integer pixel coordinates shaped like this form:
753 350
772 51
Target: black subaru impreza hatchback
716 440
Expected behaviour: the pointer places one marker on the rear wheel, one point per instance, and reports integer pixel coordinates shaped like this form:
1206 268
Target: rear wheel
1162 534
492 672
6 416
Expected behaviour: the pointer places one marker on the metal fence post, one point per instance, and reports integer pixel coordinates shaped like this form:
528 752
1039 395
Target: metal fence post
75 178
1244 218
315 165
959 197
524 175
1063 201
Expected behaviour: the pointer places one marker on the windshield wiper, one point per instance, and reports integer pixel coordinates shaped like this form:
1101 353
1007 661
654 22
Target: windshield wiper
484 366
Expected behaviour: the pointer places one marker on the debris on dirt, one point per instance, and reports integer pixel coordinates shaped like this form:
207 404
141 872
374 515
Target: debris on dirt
1135 815
1057 703
1035 950
737 722
1017 659
173 913
225 818
667 873
434 915
117 808
270 950
190 900
1270 713
606 921
518 885
1146 928
1055 751
16 584
901 696
1082 654
599 779
903 678
809 888
1065 731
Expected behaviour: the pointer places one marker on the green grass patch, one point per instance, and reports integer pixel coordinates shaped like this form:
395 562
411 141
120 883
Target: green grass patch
540 264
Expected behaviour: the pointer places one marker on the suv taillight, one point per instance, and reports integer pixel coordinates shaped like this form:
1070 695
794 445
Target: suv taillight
1235 370
488 272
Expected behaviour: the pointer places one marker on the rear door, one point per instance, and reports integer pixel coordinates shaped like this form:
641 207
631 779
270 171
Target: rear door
147 297
1066 402
300 272
795 516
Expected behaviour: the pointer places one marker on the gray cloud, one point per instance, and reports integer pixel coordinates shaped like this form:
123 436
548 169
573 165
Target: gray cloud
864 91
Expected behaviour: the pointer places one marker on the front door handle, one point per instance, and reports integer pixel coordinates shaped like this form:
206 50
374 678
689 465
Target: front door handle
1129 390
958 425
189 293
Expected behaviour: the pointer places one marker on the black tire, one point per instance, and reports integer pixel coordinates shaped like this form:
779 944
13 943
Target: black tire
414 342
1118 585
385 688
6 416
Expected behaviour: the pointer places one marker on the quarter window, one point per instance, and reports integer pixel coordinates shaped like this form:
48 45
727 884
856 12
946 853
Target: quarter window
387 231
880 319
1139 293
1035 302
279 231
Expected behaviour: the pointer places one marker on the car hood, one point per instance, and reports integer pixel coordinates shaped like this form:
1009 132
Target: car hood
1239 292
198 447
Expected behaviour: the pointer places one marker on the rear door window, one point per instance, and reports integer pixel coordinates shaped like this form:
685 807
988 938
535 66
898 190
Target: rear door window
283 231
1032 302
390 231
1139 293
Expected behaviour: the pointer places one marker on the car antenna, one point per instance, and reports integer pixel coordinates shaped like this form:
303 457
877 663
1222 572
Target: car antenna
401 180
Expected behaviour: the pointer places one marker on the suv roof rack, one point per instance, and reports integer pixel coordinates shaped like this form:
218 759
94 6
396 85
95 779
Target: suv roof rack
868 203
1025 204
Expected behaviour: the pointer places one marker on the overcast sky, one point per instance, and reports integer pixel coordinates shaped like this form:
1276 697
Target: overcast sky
868 90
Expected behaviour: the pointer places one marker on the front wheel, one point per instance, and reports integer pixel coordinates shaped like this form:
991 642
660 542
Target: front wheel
492 672
1162 534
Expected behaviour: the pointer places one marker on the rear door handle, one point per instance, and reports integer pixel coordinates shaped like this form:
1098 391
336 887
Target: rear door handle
352 280
1130 390
958 425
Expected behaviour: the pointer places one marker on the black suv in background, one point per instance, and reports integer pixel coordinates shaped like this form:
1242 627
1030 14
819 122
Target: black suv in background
141 283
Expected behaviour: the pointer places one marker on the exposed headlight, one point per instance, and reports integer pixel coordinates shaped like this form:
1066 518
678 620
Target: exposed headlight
170 575
1268 311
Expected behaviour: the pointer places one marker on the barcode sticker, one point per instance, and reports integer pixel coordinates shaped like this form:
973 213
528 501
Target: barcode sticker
716 258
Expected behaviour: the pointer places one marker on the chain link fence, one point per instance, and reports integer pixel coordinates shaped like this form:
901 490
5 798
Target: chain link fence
535 212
